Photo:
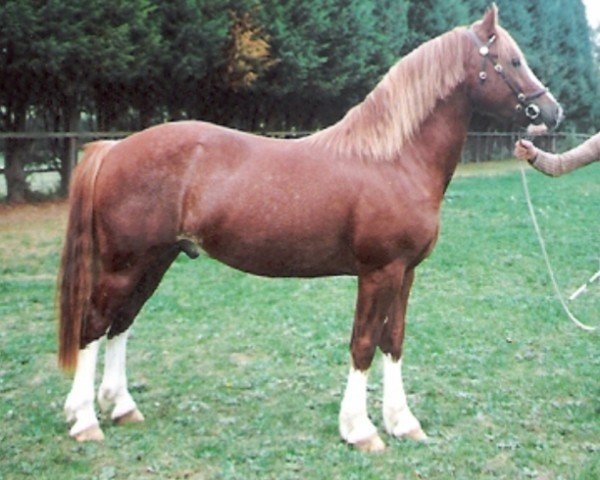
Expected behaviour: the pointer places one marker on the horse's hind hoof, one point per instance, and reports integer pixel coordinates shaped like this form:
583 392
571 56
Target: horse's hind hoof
134 416
418 435
90 434
373 444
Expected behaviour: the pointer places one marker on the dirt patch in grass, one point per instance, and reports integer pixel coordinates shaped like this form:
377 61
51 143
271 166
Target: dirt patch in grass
31 238
28 217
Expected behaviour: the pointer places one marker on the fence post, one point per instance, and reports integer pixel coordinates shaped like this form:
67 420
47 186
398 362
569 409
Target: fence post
69 162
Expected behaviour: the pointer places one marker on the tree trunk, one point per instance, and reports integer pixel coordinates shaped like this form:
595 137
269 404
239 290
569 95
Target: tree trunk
16 177
15 158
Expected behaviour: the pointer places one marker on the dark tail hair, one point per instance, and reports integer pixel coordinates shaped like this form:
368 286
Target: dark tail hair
76 276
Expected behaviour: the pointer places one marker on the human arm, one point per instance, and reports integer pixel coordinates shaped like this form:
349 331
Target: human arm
559 164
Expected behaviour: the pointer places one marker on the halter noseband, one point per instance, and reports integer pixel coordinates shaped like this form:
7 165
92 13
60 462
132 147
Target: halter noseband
531 110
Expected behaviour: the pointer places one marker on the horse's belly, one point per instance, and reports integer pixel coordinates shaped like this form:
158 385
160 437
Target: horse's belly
283 258
271 229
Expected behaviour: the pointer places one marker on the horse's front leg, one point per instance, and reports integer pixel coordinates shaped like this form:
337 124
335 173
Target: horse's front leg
375 293
113 389
398 419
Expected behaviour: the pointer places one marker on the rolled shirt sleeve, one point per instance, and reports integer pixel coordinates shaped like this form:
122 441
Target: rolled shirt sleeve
559 164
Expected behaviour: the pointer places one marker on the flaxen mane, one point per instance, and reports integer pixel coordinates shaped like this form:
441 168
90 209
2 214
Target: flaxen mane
390 115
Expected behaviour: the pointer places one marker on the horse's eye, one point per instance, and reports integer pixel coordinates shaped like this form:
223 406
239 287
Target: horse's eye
516 62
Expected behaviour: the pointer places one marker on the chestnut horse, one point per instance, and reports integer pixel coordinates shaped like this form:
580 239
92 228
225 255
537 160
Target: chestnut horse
361 197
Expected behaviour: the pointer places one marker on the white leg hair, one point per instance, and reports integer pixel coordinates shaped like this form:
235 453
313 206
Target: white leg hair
79 406
113 389
355 426
398 419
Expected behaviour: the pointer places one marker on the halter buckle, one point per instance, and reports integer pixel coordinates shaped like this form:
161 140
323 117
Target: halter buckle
484 50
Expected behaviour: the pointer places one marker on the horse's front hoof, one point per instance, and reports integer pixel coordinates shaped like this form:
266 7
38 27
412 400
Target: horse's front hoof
373 444
90 434
134 416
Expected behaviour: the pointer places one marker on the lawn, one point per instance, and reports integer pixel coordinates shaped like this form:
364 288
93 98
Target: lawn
241 377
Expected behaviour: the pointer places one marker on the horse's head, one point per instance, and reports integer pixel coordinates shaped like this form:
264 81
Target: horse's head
499 80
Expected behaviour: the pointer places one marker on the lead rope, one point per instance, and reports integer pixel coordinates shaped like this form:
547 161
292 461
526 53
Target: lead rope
572 317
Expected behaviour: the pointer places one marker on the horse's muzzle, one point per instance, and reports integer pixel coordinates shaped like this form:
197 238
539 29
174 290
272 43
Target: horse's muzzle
545 110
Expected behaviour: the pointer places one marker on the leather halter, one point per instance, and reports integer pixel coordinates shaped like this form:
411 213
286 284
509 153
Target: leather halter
525 102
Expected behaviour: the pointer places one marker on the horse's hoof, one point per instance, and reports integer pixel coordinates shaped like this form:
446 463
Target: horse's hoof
90 434
134 416
372 444
418 435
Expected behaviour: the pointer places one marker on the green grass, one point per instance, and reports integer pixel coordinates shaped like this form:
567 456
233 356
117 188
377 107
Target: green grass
241 377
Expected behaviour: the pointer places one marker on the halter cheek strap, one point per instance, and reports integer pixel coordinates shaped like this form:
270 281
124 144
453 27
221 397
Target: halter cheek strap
525 102
484 51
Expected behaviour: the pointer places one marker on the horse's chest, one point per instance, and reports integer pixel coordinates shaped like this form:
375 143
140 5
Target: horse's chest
407 234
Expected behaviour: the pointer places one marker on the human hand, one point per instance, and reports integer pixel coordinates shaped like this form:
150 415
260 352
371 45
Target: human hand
525 150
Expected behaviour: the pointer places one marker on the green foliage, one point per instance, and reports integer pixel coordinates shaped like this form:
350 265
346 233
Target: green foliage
19 22
56 53
192 42
331 52
430 18
241 377
168 60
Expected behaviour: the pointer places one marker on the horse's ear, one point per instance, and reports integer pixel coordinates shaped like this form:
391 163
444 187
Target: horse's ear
490 20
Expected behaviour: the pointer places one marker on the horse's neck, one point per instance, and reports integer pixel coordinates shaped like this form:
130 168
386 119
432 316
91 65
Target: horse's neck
435 149
392 114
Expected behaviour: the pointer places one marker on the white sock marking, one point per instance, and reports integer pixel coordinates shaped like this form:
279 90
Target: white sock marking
397 417
354 421
79 406
113 389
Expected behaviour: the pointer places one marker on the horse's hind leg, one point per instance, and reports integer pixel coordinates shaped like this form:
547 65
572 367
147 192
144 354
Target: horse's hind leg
116 300
398 419
79 406
144 278
113 389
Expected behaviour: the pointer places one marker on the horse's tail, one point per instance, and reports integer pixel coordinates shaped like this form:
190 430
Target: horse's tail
76 276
